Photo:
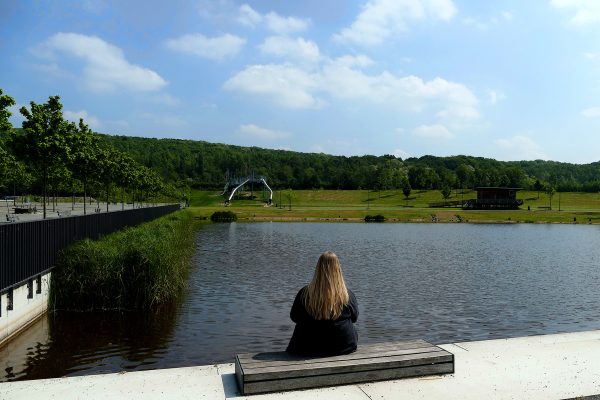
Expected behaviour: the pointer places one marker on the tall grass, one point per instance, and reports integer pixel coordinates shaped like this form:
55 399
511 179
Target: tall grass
137 267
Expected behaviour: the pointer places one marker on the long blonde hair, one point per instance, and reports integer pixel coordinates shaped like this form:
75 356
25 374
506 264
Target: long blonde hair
326 295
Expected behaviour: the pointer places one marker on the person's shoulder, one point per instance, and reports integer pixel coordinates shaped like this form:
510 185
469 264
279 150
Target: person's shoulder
351 295
301 291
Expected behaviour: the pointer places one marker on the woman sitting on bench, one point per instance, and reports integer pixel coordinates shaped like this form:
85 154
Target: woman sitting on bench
324 313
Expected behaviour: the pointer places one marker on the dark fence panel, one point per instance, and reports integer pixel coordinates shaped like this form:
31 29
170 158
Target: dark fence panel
29 248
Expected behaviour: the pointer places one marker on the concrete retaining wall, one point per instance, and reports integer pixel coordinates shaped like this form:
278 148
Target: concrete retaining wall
27 306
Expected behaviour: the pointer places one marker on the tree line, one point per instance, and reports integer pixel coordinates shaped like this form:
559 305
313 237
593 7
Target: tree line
208 165
52 155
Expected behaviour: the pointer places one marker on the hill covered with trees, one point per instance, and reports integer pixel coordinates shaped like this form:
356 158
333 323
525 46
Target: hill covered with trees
206 165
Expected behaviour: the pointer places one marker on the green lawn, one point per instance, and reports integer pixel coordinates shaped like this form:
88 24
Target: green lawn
356 204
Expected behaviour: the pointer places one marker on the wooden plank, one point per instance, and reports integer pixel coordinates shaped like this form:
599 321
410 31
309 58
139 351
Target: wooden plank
342 367
343 379
282 355
254 366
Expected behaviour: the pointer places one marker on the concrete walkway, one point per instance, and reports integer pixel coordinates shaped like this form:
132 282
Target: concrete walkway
557 366
55 212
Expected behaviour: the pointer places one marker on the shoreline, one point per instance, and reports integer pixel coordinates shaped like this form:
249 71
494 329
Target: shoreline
405 221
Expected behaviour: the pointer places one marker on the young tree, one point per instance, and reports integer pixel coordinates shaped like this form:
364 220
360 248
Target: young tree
550 191
446 192
85 153
44 141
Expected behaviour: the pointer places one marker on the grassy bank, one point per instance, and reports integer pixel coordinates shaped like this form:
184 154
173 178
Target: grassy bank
137 267
354 205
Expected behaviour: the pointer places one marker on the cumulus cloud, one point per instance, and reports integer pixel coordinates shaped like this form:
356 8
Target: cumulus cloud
586 11
90 120
342 78
296 49
380 19
434 132
284 85
282 25
592 112
262 133
105 67
520 148
247 16
215 48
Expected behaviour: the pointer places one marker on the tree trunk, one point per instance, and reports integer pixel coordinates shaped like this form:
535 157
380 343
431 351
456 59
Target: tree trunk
45 172
84 199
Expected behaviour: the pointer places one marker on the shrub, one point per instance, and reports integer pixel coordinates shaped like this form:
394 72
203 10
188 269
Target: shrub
375 218
223 216
138 267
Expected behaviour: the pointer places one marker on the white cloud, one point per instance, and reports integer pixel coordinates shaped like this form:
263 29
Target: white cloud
586 11
380 19
592 112
284 85
435 132
399 153
282 25
74 116
520 148
262 133
105 67
247 16
490 22
292 87
295 49
215 48
400 131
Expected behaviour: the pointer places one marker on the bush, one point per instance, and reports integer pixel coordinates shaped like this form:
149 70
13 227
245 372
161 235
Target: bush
137 267
223 216
375 218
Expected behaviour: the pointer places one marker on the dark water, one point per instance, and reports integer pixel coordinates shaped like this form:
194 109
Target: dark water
441 282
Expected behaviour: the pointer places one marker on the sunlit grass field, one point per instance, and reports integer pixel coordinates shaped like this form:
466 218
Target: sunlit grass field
352 205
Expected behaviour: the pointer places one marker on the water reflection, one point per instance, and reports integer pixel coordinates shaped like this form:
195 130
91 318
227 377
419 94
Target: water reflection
440 282
68 343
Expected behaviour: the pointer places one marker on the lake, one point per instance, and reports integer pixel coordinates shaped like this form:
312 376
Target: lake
440 282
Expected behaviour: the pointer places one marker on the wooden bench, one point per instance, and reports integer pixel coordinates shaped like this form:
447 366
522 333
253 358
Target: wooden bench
278 371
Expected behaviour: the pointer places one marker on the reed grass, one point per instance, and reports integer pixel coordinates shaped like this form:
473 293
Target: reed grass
138 267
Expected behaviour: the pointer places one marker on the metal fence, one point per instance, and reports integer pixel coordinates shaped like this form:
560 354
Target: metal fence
28 249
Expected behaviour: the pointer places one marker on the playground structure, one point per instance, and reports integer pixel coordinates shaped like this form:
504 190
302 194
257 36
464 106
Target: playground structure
236 184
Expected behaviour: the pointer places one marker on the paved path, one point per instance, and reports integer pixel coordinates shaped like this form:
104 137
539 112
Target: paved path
536 367
51 212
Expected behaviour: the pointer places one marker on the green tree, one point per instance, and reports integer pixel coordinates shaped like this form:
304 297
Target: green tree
446 192
85 153
44 142
289 195
5 127
406 189
550 191
538 186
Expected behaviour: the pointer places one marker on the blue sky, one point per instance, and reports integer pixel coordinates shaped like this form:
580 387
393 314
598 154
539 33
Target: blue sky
511 80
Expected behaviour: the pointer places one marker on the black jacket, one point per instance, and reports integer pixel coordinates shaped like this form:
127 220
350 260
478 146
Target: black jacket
313 337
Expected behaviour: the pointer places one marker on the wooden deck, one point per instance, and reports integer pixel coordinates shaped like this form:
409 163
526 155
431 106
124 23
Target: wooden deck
278 371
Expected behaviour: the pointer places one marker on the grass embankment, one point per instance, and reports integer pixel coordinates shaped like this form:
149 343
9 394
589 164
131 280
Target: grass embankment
137 267
354 205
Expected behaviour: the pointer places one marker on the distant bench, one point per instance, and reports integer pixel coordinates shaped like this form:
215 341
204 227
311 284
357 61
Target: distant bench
278 371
